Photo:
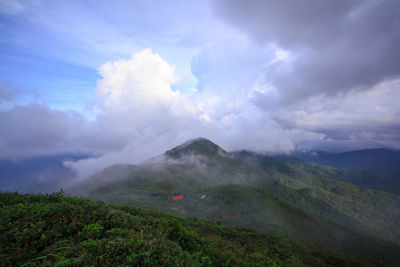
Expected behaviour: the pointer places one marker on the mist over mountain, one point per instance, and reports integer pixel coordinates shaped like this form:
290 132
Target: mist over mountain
320 207
292 198
199 147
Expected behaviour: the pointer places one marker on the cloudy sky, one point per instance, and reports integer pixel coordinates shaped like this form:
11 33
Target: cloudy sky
126 80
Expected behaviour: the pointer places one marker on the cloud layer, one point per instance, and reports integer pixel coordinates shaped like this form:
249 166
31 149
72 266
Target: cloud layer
144 116
258 75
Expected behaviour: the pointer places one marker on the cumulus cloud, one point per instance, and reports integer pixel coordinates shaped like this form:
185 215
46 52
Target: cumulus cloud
142 111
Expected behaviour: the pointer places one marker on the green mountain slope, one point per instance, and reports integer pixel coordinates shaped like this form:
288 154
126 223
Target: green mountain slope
315 188
344 174
382 162
280 198
53 230
364 179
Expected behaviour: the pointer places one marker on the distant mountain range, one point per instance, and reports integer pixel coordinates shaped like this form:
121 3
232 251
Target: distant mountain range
381 162
39 174
286 196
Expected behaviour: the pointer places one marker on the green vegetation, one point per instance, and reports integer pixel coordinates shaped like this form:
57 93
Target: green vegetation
381 162
303 203
54 230
364 179
318 190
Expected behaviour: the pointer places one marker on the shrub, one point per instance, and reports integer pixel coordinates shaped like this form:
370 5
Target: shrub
93 231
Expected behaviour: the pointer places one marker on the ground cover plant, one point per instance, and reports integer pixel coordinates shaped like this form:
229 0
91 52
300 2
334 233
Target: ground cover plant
48 230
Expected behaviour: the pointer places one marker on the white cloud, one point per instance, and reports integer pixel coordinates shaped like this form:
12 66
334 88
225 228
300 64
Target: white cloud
141 82
281 55
372 115
147 117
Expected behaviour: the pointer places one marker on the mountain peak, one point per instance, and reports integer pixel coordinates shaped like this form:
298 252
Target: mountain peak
197 146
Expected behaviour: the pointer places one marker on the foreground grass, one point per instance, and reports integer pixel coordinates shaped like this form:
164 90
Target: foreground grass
57 230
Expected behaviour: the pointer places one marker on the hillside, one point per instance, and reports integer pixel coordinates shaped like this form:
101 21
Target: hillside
48 230
381 162
317 212
293 165
315 189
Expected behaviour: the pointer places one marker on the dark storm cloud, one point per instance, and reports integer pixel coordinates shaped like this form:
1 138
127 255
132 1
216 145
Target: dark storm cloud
341 78
336 45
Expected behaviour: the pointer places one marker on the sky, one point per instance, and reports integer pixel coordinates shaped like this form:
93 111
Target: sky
127 80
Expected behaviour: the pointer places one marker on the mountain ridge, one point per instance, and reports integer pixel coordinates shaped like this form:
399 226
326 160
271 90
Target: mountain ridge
197 146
